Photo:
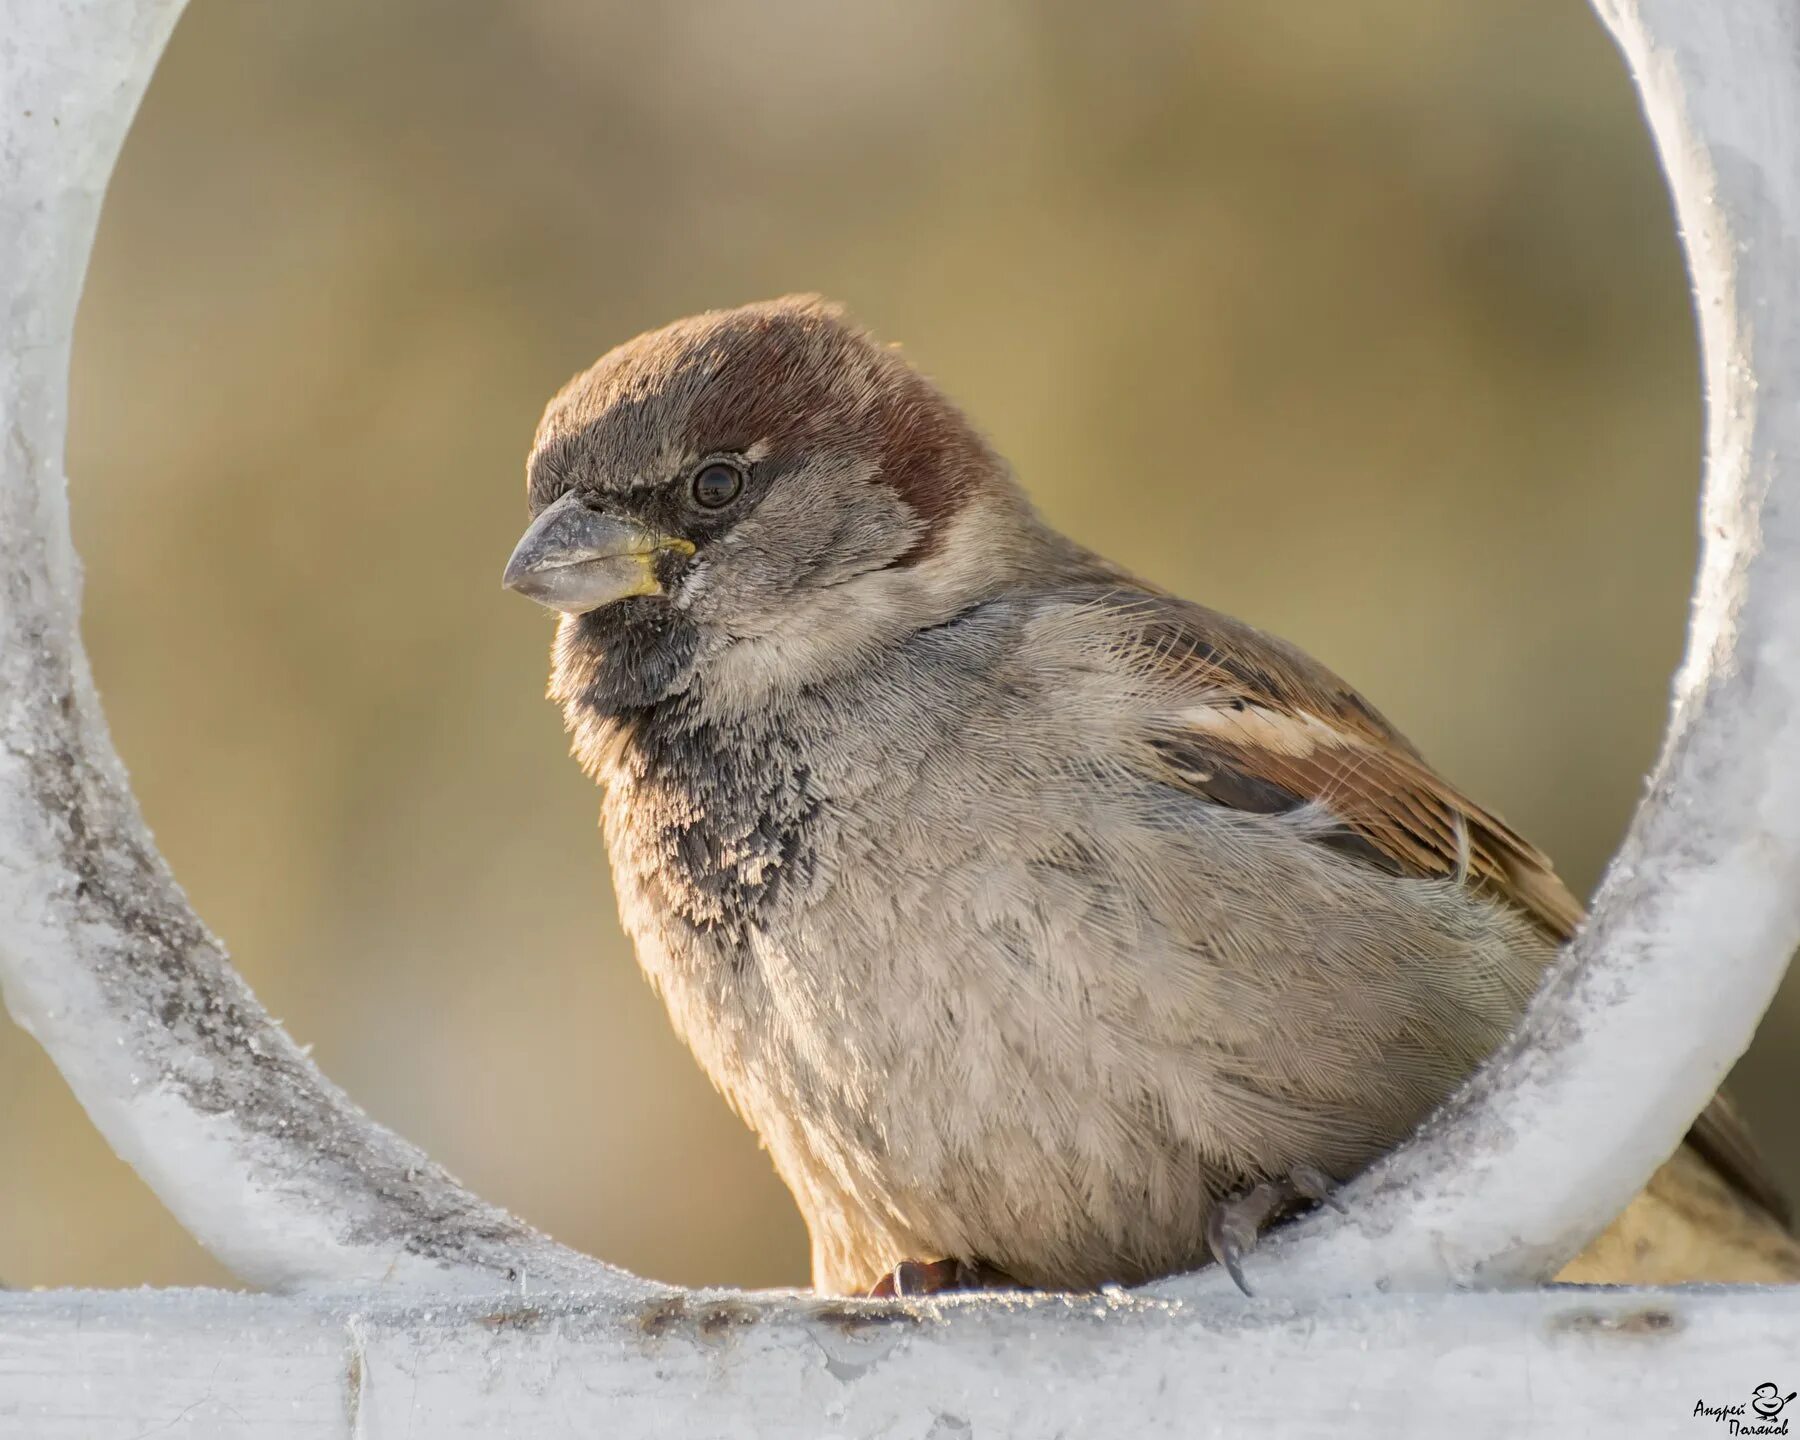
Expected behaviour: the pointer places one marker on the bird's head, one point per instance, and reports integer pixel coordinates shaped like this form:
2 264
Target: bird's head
749 499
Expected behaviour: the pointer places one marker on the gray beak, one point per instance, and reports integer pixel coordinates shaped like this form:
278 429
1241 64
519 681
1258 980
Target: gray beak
574 559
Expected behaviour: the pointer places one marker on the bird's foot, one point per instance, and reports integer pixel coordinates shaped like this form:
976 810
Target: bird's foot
1237 1222
914 1278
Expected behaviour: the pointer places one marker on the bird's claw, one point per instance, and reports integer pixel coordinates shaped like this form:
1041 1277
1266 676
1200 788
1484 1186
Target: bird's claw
911 1279
1312 1183
1236 1222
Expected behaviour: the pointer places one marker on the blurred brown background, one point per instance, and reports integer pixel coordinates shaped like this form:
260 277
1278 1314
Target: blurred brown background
1364 321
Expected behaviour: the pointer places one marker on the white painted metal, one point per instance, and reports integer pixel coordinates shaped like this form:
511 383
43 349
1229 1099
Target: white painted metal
276 1171
180 1365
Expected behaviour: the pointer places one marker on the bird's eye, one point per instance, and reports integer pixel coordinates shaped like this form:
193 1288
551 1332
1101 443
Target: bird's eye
717 485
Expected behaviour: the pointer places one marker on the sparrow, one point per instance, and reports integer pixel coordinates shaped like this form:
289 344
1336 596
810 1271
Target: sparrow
1049 929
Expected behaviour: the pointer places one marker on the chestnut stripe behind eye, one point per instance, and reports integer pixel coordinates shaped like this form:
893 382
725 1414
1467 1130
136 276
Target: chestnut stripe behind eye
804 380
929 453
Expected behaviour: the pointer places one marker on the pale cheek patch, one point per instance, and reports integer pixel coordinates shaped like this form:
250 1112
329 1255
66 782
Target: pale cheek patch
695 585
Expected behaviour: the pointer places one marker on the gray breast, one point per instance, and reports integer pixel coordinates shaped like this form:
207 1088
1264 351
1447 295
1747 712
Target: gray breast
733 815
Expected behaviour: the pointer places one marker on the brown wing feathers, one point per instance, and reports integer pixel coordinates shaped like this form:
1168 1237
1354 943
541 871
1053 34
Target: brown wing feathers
1269 729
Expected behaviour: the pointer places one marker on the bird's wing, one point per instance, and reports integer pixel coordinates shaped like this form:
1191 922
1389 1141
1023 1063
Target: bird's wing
1248 721
1722 1137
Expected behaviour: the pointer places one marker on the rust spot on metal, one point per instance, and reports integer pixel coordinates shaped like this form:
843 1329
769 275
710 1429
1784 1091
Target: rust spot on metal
519 1317
706 1322
715 1320
660 1316
1650 1320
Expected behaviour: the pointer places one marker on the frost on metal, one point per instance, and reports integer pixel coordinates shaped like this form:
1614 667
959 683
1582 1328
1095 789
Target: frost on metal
278 1173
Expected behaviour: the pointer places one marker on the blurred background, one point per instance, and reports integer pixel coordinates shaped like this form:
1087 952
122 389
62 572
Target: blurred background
1363 321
